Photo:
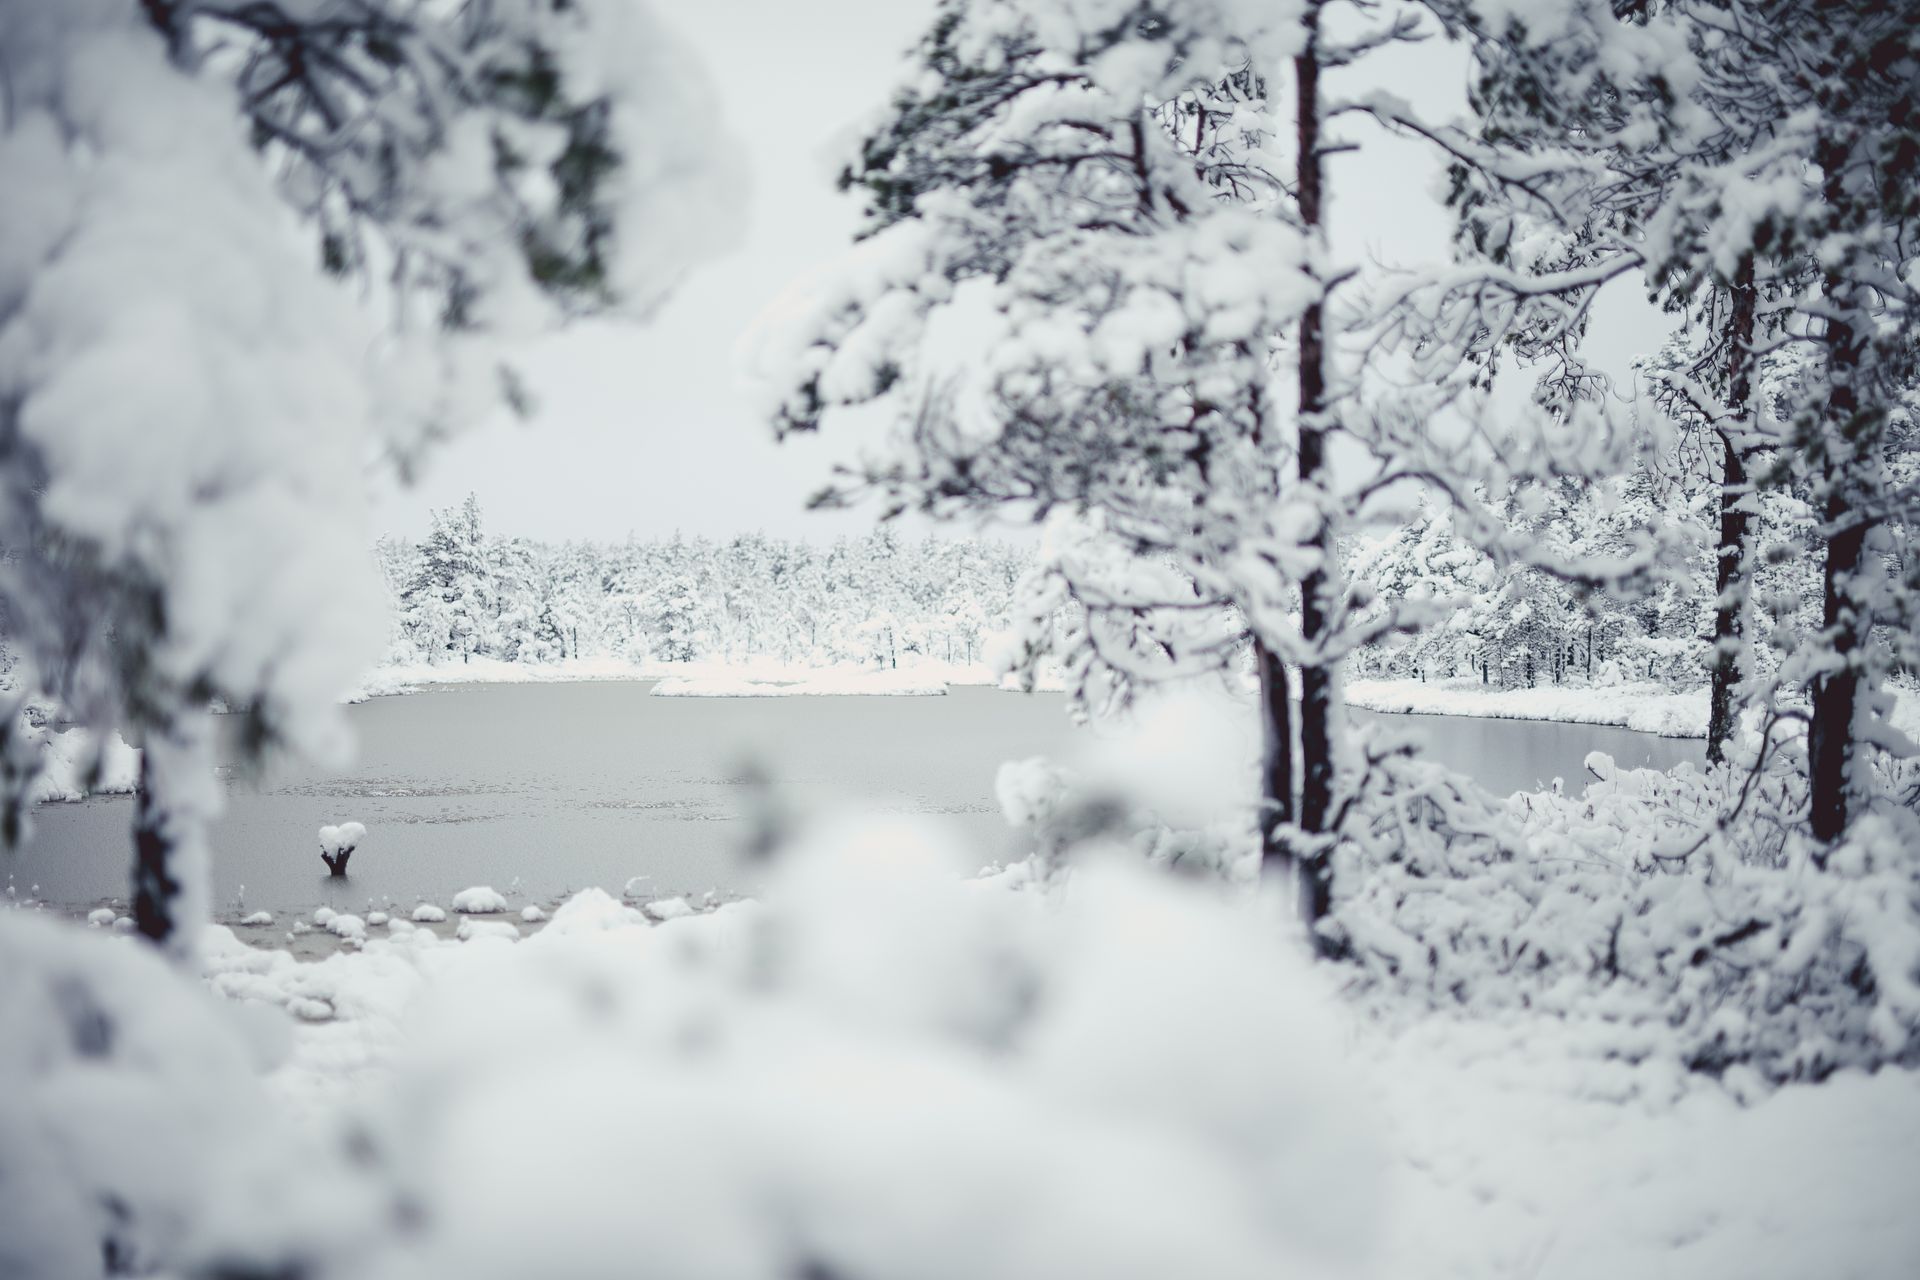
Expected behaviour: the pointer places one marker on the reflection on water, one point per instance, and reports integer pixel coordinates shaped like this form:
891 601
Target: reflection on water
542 789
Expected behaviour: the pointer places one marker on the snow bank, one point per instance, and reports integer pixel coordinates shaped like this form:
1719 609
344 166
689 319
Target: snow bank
1643 708
1125 1075
826 683
1111 1108
1517 1154
400 678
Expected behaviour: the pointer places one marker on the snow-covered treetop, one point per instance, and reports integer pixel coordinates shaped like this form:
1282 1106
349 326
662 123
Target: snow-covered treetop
1041 153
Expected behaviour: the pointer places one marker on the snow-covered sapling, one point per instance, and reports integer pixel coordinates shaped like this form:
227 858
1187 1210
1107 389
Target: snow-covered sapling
338 843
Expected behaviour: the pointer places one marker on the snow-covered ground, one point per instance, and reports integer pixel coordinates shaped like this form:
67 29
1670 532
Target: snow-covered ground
1446 1146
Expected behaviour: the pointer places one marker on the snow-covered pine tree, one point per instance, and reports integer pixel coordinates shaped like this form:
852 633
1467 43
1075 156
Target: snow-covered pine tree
187 401
1092 203
1757 166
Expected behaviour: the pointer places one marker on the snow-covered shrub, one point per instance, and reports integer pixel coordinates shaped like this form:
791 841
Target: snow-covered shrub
881 1070
122 1088
1691 923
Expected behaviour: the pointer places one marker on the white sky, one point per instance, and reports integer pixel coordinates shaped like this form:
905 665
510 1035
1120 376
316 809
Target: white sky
644 430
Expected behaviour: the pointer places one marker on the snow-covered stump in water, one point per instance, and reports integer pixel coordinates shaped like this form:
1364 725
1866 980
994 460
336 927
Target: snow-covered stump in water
337 845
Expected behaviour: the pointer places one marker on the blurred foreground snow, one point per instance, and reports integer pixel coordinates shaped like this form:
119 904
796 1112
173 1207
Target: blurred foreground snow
884 1068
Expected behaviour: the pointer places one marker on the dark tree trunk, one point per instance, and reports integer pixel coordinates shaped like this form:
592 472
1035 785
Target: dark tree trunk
336 862
1735 521
1836 692
169 835
1276 761
1316 589
156 889
1844 619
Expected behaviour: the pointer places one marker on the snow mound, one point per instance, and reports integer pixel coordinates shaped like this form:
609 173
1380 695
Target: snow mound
472 930
591 911
427 913
480 900
669 909
101 917
352 928
258 919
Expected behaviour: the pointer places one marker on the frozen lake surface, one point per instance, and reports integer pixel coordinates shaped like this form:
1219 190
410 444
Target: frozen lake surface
542 789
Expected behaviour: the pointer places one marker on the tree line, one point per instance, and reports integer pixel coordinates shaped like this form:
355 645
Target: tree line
876 600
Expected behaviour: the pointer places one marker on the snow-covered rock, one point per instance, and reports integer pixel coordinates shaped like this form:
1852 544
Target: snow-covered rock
428 913
258 919
479 900
532 914
352 928
669 909
472 930
101 917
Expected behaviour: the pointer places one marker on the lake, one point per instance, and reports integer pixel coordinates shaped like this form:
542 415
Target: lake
540 789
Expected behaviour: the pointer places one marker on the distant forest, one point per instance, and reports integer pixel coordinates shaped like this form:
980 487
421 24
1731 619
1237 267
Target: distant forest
878 600
882 598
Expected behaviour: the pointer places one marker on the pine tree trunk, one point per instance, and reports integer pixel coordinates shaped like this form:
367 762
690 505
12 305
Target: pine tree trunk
1845 619
1735 521
169 837
1276 761
1317 588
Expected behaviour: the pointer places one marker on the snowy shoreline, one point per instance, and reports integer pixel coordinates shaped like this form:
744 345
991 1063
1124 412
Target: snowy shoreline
1643 708
687 679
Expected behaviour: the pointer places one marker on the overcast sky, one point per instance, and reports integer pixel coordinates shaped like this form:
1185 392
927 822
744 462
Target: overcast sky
643 429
